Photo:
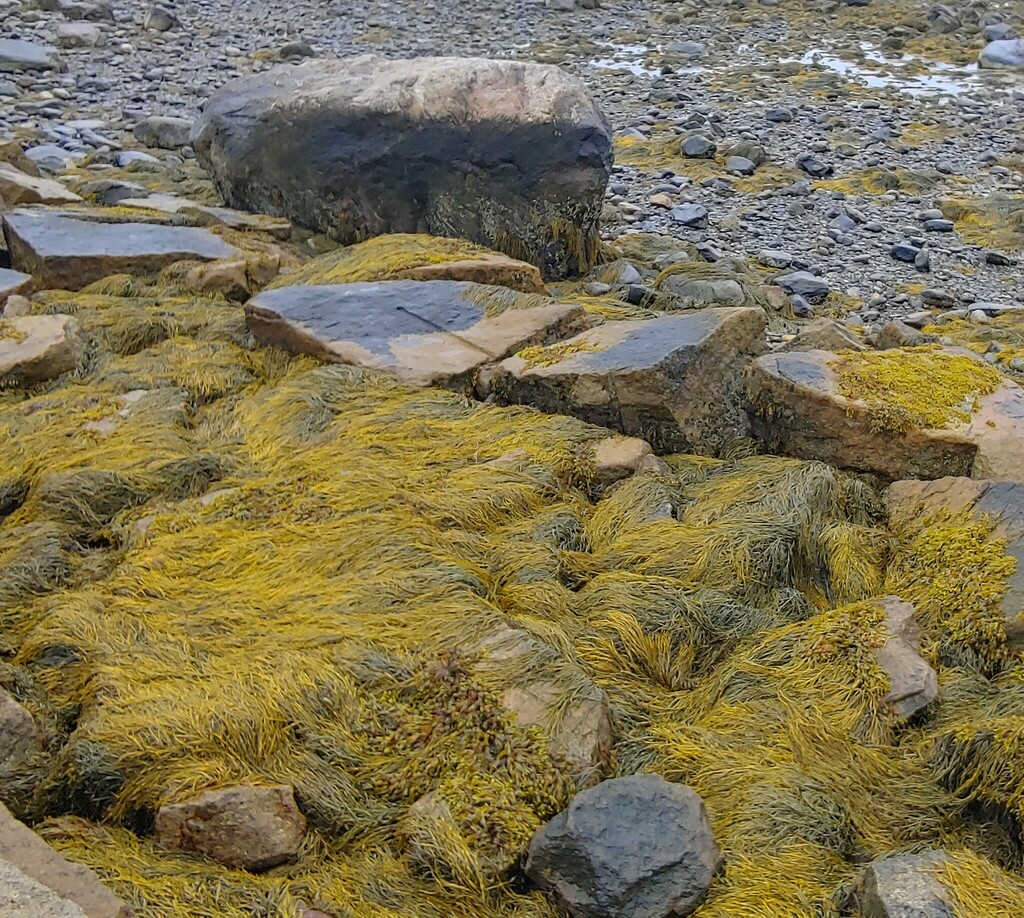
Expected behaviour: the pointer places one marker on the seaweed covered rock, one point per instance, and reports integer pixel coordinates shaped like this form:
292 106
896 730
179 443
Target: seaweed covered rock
512 155
544 691
917 413
66 253
905 887
1000 503
410 256
672 380
438 333
252 828
634 847
37 348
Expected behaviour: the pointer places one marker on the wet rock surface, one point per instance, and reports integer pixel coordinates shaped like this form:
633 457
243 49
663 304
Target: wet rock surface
639 847
426 333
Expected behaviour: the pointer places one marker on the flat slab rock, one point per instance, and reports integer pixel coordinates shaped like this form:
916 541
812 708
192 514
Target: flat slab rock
17 55
796 409
424 333
17 187
671 380
37 877
1002 502
66 253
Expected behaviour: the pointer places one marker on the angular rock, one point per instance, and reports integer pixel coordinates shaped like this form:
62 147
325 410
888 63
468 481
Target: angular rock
68 254
79 35
699 291
163 132
913 684
802 283
535 682
694 216
616 458
905 887
13 283
899 334
159 19
245 827
1001 502
670 380
426 334
697 146
635 847
824 335
17 187
796 410
18 732
1006 54
36 348
512 155
16 55
25 852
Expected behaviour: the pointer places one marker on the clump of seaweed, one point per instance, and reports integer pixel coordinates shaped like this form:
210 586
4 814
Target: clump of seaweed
915 388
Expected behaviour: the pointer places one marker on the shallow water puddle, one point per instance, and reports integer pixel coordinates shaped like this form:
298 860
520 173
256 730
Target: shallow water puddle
943 78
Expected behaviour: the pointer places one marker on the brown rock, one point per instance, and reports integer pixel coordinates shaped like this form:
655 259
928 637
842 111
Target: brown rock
26 851
899 334
672 380
251 828
494 269
18 733
17 188
824 335
37 348
228 277
619 457
796 410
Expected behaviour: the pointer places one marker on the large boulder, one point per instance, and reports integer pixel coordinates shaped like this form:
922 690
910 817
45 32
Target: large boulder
512 155
68 254
251 828
920 413
1005 54
437 333
671 380
635 847
1000 502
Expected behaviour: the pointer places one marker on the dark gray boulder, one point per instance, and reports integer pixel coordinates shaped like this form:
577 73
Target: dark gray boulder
635 847
905 887
509 154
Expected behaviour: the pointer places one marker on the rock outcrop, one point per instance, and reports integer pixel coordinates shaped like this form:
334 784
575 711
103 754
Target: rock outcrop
671 380
899 413
636 847
512 155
